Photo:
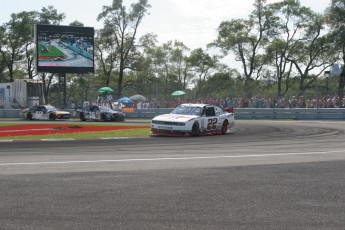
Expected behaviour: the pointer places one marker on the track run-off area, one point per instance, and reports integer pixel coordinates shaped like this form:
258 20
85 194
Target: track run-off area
261 175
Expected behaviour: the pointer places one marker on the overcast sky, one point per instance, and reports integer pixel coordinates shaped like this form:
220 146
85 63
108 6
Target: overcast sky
193 22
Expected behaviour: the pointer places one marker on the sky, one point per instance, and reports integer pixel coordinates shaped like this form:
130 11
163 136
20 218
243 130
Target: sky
193 22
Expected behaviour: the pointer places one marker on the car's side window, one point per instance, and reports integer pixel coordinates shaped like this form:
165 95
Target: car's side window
86 109
33 109
219 111
210 112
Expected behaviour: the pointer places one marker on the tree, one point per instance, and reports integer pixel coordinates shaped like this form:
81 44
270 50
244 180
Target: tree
312 53
222 84
50 16
163 64
297 39
245 39
180 64
16 44
119 33
2 61
287 18
276 53
17 33
76 23
335 14
142 79
203 65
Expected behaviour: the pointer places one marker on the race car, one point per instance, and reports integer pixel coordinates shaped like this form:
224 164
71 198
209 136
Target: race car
100 113
44 112
193 120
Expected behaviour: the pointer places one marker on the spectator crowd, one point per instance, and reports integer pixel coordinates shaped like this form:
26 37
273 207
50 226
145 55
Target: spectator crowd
253 102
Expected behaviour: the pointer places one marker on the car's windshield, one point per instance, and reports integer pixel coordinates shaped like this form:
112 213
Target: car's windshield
105 109
50 108
187 110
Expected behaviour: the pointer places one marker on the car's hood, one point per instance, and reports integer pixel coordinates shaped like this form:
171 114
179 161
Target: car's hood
112 112
61 112
174 117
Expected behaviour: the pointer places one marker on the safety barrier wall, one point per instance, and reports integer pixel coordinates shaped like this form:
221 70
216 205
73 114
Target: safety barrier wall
9 113
246 113
254 113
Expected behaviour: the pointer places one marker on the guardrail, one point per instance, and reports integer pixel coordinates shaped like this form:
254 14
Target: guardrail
240 113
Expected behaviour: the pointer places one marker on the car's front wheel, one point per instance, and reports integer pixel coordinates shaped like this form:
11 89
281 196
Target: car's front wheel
195 130
29 116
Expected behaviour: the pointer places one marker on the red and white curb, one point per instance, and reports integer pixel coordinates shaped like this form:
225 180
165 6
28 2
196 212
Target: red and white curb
62 139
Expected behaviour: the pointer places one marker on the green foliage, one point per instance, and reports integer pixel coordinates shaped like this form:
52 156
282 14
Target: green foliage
335 17
118 37
279 45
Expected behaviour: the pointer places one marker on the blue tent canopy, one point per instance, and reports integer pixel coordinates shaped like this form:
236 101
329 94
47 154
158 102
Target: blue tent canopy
124 100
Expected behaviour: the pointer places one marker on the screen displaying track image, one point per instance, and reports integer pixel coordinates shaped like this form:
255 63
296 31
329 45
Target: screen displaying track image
64 49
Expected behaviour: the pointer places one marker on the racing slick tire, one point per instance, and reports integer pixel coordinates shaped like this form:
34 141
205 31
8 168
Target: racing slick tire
82 117
195 130
103 117
52 117
119 119
29 116
225 127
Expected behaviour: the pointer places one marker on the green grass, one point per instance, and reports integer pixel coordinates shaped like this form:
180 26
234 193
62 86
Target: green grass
84 135
53 51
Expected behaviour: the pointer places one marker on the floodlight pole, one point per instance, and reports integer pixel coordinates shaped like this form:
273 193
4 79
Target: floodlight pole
62 85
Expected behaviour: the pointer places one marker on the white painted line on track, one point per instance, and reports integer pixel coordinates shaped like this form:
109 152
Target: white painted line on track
59 139
170 158
25 130
113 138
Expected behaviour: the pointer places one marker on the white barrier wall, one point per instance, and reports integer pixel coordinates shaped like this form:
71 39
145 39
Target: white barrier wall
247 113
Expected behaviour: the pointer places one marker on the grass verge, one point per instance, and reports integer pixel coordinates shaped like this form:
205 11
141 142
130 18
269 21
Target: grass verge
137 132
86 135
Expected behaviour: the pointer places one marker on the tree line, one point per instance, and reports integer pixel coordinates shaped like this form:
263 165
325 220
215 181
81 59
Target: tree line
284 48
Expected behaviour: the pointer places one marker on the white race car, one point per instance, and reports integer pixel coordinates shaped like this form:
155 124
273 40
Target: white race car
193 120
44 112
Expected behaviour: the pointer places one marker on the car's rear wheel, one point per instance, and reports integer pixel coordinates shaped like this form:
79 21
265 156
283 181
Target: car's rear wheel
103 117
119 118
195 130
52 116
82 117
225 127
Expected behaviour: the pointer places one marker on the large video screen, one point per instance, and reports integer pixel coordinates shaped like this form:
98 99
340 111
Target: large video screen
64 49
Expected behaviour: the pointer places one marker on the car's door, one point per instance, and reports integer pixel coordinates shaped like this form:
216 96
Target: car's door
39 112
92 113
220 114
86 112
209 119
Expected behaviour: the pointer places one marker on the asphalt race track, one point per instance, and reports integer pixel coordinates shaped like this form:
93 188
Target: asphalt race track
261 175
